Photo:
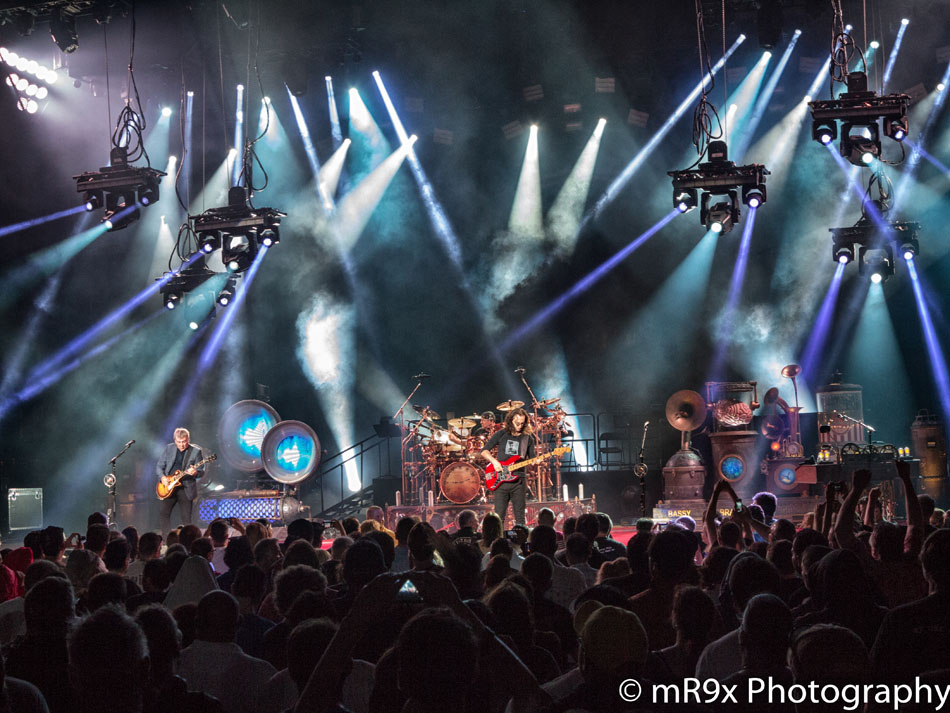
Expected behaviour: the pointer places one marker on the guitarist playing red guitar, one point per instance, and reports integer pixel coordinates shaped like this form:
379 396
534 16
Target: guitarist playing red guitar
515 440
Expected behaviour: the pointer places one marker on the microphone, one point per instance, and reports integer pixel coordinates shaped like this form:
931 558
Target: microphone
129 444
645 424
520 371
421 375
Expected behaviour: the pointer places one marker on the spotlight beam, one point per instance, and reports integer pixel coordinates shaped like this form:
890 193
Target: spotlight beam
724 336
938 363
80 342
935 162
238 135
859 190
26 224
892 59
748 130
335 129
617 185
567 211
584 284
811 356
526 218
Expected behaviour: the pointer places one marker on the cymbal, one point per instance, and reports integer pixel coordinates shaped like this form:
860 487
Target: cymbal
462 422
426 412
548 402
509 405
685 410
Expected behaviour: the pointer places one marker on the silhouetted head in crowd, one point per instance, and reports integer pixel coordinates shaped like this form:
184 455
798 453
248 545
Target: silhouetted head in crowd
217 617
187 535
502 547
301 552
218 531
386 544
155 575
463 565
644 524
780 554
186 616
131 536
887 542
300 529
362 562
782 529
351 525
828 654
694 614
570 526
638 548
547 517
613 646
497 571
238 553
768 502
254 532
421 542
588 525
293 581
40 570
305 645
539 570
97 518
250 584
543 540
117 555
927 506
730 534
108 662
604 523
426 642
605 594
49 607
577 548
804 539
174 561
811 557
671 555
52 542
750 575
106 588
267 553
492 528
935 559
163 639
844 582
716 565
340 546
203 547
406 524
81 566
150 545
97 537
763 634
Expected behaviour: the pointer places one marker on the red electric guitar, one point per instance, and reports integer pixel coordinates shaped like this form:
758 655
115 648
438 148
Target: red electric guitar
495 478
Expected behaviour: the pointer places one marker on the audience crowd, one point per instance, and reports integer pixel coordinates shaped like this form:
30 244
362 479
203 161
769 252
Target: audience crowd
561 617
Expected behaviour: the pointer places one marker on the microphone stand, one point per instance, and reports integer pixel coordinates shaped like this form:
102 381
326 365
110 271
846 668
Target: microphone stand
846 417
537 434
399 418
640 470
111 481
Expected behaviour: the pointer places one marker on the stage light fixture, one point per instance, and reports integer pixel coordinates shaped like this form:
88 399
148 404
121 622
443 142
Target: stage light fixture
875 44
62 28
843 253
172 299
864 110
209 242
240 229
119 186
166 111
24 23
685 201
873 247
193 325
909 248
941 86
721 178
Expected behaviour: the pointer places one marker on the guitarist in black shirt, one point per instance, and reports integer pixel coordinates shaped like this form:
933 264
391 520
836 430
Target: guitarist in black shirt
515 439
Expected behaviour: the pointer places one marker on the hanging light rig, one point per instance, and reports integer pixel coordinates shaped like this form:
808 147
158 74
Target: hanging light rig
121 188
717 184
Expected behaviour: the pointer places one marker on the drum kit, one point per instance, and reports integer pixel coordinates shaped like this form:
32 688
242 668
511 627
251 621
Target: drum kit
448 461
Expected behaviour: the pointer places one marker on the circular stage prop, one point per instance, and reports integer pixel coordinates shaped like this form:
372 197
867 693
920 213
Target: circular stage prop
241 433
291 452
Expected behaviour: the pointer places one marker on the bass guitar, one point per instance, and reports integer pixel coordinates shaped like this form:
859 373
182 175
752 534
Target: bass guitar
166 486
507 474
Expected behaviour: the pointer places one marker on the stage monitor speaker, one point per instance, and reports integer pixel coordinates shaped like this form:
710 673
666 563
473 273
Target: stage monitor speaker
384 491
25 508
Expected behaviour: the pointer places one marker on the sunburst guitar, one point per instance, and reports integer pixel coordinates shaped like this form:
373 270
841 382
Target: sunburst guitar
508 473
166 486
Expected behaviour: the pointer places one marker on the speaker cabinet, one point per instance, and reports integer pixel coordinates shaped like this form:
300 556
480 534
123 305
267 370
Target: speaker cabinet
25 508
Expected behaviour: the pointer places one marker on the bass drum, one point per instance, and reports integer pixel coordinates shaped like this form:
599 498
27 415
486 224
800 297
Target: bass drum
460 482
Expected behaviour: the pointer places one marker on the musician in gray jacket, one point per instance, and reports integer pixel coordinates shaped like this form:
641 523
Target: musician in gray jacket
181 455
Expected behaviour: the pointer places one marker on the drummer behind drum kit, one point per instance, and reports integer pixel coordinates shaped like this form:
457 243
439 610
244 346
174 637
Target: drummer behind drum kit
451 457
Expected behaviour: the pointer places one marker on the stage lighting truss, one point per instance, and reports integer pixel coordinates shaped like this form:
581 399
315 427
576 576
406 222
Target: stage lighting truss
875 250
861 114
238 230
121 188
723 180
